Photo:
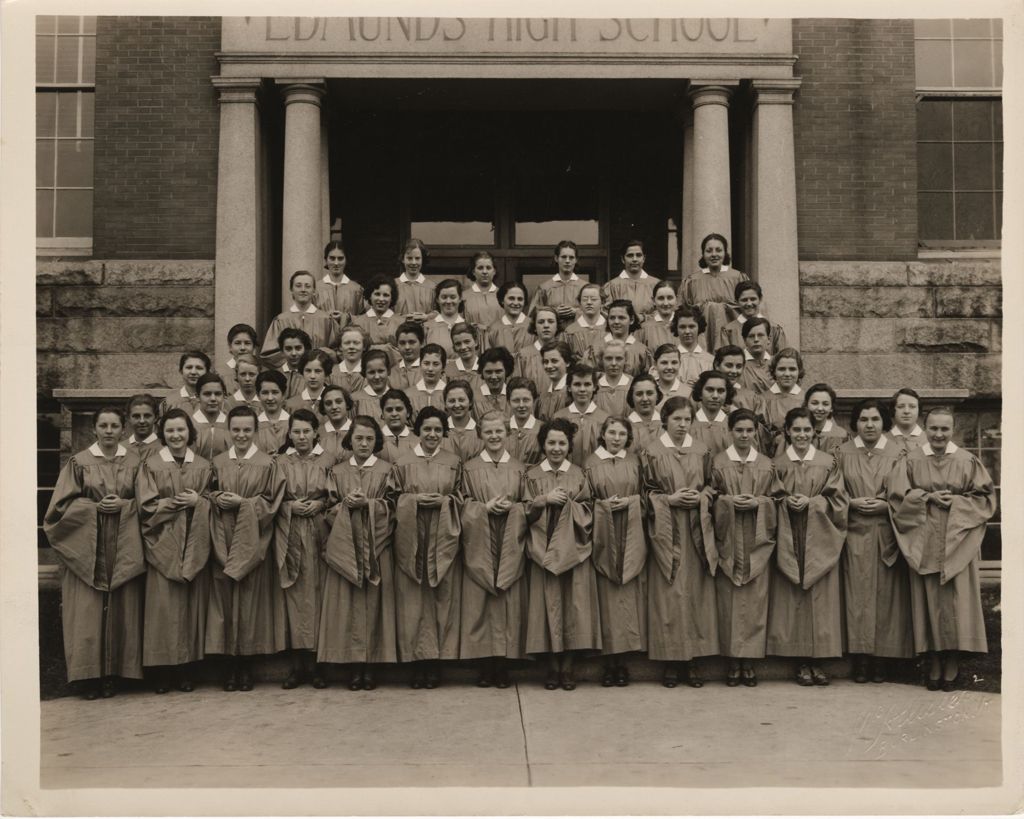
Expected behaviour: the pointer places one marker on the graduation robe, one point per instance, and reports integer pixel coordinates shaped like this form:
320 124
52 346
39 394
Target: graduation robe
682 612
563 612
619 553
381 329
830 437
732 333
270 435
414 295
714 294
638 290
484 402
439 331
638 358
463 442
776 405
494 589
321 328
528 365
644 432
357 613
246 611
346 297
943 546
611 395
298 543
582 339
177 547
366 402
876 586
588 428
550 401
556 292
395 446
513 335
712 432
656 331
428 580
347 376
756 375
102 564
481 308
805 606
522 443
745 541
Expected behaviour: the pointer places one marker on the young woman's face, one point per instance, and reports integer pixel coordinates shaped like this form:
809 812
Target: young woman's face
556 447
546 325
409 347
176 435
293 350
142 418
335 407
302 290
464 345
566 260
457 404
245 377
743 435
270 396
376 374
351 346
363 441
667 366
395 415
590 302
678 423
191 370
380 299
431 433
938 429
483 270
633 259
712 397
314 375
521 402
515 300
615 436
303 436
750 303
757 341
242 428
665 302
108 430
493 374
448 301
614 360
494 435
412 261
820 406
645 398
869 425
211 398
618 322
714 254
581 387
335 262
906 411
786 373
241 345
431 366
732 366
554 365
687 329
801 431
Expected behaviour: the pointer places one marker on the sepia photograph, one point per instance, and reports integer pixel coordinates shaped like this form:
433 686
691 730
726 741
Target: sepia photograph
600 413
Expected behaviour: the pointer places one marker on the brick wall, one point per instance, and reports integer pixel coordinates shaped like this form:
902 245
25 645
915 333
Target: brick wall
855 121
156 138
892 324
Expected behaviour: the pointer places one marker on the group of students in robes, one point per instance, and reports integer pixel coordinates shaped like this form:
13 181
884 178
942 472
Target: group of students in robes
411 474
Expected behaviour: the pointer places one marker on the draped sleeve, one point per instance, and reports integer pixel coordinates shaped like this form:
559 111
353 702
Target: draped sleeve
177 541
250 536
823 534
559 538
619 561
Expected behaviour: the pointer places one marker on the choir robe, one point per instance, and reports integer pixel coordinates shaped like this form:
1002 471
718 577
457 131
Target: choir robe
512 335
756 373
381 330
582 337
322 330
405 375
428 576
305 400
484 401
908 442
238 399
558 292
656 331
528 365
776 404
563 612
270 435
876 585
180 399
522 441
299 542
638 357
246 612
439 331
481 307
397 445
588 429
744 541
551 400
345 296
211 438
494 589
681 599
714 294
805 604
830 437
357 613
177 548
102 563
692 363
421 396
348 376
712 432
612 397
732 333
464 442
680 388
943 546
331 438
143 447
414 295
456 370
296 383
366 402
644 432
639 290
619 551
745 398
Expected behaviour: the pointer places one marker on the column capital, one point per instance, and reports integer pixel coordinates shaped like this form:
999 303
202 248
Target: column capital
237 89
711 93
774 92
310 91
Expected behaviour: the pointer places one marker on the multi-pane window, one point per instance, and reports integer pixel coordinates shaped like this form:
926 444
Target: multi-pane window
978 430
959 131
65 97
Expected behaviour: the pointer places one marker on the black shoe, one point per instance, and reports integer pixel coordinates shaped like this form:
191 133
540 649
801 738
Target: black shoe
501 678
568 680
186 686
621 676
108 688
803 676
819 676
608 677
356 683
245 678
749 677
950 685
162 687
484 679
417 680
552 682
91 691
432 679
231 680
693 677
878 671
859 673
293 680
670 679
732 677
933 685
369 681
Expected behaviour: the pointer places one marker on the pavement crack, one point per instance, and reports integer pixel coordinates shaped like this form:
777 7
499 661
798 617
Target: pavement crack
526 745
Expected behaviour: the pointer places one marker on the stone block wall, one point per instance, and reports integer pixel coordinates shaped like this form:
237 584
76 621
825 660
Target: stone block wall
891 324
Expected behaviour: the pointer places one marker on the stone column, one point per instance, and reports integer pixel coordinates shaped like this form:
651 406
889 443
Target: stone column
688 254
238 260
712 211
775 262
301 223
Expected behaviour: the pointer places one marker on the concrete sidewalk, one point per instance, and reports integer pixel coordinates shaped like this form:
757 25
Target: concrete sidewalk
845 735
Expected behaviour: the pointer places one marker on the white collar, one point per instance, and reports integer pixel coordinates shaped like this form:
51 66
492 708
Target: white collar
285 368
558 278
657 317
149 439
504 459
587 411
461 365
403 366
262 418
368 462
316 450
879 444
721 418
915 432
598 322
442 320
420 278
309 310
405 433
421 385
742 319
519 319
184 393
234 455
560 385
827 426
386 314
167 457
485 390
232 363
369 391
470 425
238 395
537 345
307 397
625 275
328 280
748 357
683 351
492 289
95 450
630 339
791 454
624 381
733 455
329 427
422 454
342 366
546 466
775 388
677 385
666 439
605 455
926 448
531 422
199 418
634 417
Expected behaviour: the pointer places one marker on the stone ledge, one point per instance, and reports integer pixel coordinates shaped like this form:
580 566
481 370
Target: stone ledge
118 335
970 272
118 301
945 335
138 372
868 302
858 274
969 302
837 335
159 271
69 272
